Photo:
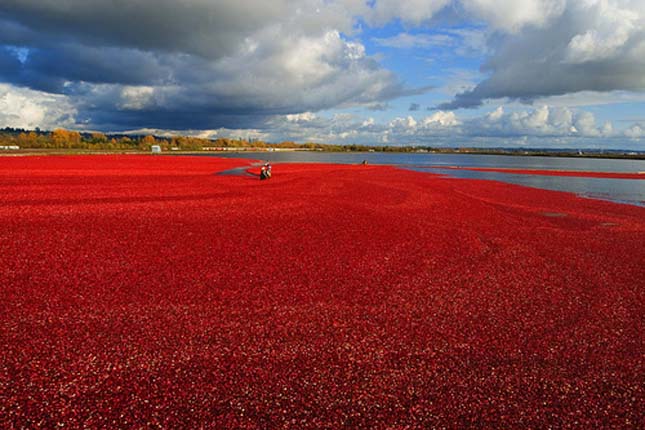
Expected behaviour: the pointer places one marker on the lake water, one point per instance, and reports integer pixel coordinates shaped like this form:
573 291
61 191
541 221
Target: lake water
631 191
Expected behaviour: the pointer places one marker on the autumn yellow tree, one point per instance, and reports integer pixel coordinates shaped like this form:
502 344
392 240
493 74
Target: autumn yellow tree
147 142
65 139
28 140
98 137
287 144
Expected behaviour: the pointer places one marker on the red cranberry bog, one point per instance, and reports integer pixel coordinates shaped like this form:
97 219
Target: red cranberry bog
149 292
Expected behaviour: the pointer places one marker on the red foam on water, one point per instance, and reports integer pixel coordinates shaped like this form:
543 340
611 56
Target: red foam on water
141 291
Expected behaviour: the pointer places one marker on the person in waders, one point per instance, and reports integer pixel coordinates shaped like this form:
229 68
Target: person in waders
265 171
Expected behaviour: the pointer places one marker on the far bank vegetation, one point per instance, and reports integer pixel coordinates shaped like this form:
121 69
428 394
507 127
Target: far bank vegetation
96 141
72 141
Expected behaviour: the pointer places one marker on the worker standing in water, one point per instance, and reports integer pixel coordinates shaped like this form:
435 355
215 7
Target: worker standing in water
265 171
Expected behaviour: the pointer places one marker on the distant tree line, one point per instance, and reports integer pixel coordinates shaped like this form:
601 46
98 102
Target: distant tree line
66 139
74 140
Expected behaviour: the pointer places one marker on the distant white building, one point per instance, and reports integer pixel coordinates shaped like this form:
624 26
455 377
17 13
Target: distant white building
9 147
156 149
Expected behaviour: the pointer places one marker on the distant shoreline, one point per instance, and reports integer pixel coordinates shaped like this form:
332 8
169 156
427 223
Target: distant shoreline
61 141
508 152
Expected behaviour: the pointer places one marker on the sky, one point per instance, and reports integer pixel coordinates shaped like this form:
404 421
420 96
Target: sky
480 73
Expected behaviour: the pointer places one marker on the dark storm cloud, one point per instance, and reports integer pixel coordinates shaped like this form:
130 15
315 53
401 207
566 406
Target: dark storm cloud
198 62
49 68
9 63
119 120
163 25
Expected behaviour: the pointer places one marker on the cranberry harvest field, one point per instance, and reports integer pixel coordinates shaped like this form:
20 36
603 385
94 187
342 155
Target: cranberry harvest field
151 292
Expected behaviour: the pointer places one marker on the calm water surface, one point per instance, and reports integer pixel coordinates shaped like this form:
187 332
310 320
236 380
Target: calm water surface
631 191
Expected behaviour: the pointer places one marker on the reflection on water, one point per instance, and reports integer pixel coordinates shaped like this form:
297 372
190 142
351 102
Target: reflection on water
630 191
621 190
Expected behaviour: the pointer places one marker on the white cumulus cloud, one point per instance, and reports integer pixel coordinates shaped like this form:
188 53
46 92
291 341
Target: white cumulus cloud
548 48
513 15
24 108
